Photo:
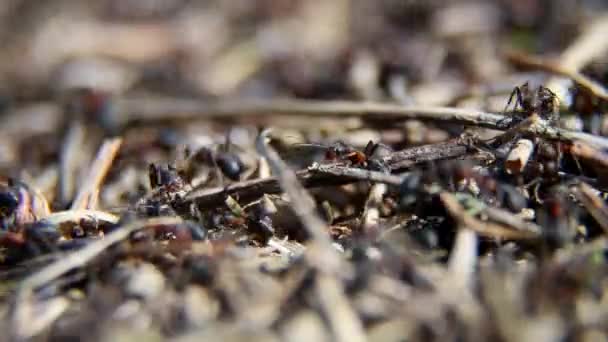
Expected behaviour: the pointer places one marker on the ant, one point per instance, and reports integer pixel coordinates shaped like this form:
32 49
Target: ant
163 176
217 158
543 102
224 163
449 174
370 157
503 194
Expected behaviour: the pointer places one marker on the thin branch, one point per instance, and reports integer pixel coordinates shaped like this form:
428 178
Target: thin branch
371 212
590 45
302 203
482 228
61 217
589 153
100 167
154 109
356 173
86 254
332 174
518 156
529 61
344 322
416 155
594 204
507 218
70 262
69 160
158 109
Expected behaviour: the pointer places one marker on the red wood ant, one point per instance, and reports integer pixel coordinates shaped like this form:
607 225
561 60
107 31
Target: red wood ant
370 157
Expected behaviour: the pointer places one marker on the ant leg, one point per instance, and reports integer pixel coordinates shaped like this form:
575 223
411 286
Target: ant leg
218 172
518 99
513 93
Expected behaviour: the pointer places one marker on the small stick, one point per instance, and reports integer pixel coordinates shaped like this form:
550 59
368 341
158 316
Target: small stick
98 171
518 157
463 257
587 152
60 217
263 168
534 62
371 213
69 160
594 204
83 256
415 155
70 262
154 109
301 201
482 228
332 174
591 44
356 173
507 218
344 322
170 109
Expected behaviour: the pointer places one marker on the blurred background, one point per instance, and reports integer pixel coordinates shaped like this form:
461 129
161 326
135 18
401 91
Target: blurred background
270 48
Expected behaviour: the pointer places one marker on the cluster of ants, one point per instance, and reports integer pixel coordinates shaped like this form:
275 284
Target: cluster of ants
494 185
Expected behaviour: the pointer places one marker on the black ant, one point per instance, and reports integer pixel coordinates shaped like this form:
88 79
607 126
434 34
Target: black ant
543 102
449 174
220 159
230 164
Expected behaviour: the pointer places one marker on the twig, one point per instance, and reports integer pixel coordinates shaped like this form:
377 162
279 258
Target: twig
594 204
69 160
97 172
70 262
463 258
84 255
356 173
301 202
591 44
534 62
420 154
344 322
518 157
585 151
153 109
61 217
371 213
482 228
543 129
504 217
332 174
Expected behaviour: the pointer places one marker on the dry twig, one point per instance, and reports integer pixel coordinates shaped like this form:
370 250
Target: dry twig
585 82
97 173
70 262
344 322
